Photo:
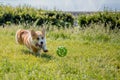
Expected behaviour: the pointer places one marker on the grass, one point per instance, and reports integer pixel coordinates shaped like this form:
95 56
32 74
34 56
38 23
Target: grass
93 54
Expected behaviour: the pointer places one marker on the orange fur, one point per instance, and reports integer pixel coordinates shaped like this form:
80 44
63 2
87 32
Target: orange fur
29 39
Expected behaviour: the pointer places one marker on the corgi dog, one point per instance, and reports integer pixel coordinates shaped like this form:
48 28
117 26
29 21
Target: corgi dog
33 40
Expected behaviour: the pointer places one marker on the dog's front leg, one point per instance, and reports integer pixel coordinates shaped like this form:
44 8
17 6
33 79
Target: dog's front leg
45 49
36 52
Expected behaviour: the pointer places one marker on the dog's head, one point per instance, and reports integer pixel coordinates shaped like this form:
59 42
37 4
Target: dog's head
38 39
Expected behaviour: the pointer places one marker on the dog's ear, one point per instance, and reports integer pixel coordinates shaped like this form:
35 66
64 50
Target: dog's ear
43 31
33 34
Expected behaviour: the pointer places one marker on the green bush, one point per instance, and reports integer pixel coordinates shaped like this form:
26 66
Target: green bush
29 15
110 19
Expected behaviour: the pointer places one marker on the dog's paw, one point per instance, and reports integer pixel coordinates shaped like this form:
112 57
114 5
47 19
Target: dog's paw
45 50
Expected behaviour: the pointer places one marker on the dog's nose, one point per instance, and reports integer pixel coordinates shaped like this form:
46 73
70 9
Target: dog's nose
41 42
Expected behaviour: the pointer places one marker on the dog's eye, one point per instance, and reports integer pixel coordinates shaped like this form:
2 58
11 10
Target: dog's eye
38 38
42 37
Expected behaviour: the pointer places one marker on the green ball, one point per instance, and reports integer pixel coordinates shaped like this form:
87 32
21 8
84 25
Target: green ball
61 51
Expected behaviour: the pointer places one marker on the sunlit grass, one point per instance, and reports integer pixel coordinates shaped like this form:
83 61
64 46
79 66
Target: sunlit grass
93 53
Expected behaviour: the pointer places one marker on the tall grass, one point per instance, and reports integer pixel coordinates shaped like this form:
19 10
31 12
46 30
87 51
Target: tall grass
93 53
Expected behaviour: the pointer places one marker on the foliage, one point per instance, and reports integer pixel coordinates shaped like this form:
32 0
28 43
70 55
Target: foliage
107 18
29 15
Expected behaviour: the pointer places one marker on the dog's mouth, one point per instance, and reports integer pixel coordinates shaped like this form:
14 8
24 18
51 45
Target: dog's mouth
38 45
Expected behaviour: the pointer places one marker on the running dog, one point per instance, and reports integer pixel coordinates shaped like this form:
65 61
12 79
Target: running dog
33 40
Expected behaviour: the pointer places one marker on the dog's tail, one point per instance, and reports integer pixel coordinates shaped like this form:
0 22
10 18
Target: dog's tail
18 36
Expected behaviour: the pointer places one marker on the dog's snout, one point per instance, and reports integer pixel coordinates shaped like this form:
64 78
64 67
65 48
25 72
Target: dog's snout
41 42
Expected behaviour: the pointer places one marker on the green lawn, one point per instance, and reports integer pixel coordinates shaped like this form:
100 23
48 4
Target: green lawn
93 54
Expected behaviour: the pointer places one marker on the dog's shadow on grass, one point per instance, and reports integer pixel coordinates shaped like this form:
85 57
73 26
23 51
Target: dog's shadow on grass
42 55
